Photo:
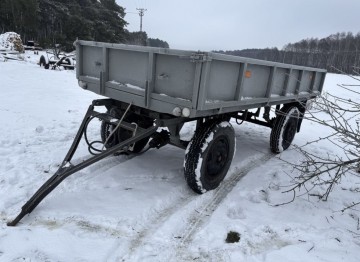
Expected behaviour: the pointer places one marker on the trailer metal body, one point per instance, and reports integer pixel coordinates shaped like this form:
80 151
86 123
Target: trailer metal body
206 83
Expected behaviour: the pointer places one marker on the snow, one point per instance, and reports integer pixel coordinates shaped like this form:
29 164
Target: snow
135 87
225 124
139 208
303 93
209 139
210 101
95 78
198 175
200 161
127 85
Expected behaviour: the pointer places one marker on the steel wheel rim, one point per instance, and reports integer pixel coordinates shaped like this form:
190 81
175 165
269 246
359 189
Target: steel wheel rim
217 158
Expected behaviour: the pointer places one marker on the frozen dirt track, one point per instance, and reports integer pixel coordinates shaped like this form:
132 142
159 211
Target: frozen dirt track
140 208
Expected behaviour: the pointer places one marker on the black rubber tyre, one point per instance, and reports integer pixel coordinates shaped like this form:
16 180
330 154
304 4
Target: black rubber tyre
123 134
284 129
105 131
66 61
209 155
43 63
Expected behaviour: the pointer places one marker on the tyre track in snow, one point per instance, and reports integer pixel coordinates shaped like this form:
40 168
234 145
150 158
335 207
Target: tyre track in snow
200 216
152 226
194 220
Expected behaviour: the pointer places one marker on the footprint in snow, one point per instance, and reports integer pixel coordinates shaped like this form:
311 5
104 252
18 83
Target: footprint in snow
263 239
236 213
39 129
260 196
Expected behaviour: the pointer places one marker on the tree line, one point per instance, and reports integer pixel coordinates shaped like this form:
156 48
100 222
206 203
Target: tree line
340 51
50 22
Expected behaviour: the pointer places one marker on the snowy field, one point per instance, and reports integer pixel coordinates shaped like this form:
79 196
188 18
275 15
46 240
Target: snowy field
140 209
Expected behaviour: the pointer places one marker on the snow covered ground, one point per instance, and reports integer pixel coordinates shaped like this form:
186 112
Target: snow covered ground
140 209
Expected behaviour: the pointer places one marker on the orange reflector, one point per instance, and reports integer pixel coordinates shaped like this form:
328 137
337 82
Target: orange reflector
247 74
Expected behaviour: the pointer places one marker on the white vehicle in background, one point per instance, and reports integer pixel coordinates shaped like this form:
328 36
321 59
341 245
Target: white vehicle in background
56 59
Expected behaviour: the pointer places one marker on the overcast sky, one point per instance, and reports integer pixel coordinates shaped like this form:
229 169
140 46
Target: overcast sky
238 24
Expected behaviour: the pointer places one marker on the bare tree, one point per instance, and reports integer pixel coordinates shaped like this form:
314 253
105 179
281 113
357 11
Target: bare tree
339 50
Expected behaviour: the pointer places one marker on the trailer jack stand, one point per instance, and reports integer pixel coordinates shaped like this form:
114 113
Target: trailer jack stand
66 169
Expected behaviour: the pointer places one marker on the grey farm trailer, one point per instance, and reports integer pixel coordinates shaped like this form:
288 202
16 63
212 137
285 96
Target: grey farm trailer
149 88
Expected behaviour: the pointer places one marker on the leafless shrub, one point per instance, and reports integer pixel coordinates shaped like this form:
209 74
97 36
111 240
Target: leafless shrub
317 175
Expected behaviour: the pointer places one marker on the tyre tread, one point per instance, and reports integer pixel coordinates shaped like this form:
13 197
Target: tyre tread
277 128
194 153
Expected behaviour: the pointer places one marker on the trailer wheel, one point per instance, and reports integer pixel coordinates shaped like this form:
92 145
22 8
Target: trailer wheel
105 132
43 62
209 155
123 134
284 129
67 63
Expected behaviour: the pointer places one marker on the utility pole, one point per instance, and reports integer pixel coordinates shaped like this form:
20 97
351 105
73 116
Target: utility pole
141 14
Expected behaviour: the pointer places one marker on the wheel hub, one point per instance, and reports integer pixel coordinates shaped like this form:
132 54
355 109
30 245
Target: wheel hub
217 157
